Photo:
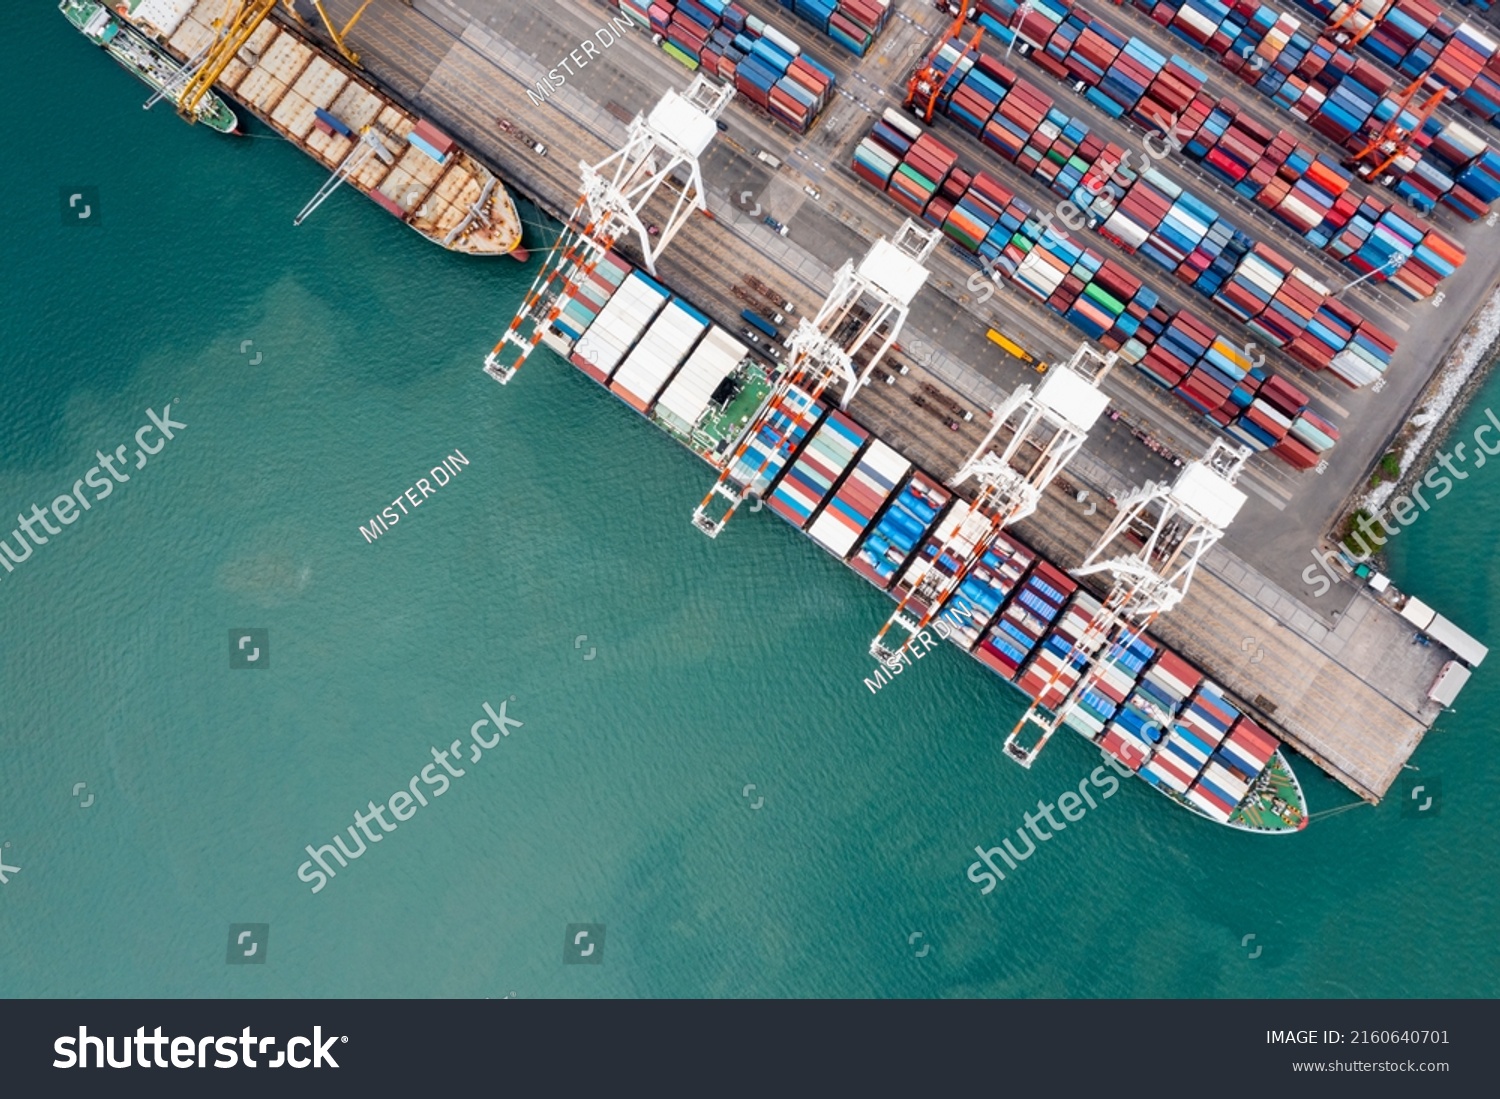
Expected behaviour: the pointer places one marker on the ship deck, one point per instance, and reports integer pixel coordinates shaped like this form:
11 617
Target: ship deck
284 78
1347 690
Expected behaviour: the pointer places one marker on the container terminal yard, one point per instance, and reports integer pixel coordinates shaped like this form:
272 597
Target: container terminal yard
786 208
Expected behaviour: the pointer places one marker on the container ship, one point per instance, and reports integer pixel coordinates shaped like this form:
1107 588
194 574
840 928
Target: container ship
860 500
139 55
402 163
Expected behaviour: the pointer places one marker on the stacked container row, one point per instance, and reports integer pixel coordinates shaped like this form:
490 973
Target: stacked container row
1095 295
849 513
766 66
1026 618
978 597
853 24
1138 727
1058 663
1309 73
664 347
776 440
619 325
1310 192
895 537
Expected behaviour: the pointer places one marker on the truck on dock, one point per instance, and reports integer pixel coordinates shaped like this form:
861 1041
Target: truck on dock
759 323
1010 346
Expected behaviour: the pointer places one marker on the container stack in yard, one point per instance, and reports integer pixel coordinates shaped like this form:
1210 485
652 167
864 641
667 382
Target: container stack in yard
853 24
765 66
849 514
1305 72
1310 192
808 481
1176 350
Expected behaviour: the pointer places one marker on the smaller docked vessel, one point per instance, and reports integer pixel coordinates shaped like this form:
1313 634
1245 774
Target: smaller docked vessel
150 63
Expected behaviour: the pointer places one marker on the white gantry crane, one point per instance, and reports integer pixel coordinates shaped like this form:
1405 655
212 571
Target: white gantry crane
615 192
1048 427
1151 549
862 315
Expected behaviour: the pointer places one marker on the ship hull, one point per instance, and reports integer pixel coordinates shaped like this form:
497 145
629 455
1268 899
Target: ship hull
326 109
142 58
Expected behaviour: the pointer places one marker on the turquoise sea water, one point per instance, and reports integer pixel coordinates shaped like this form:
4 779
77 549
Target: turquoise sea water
717 664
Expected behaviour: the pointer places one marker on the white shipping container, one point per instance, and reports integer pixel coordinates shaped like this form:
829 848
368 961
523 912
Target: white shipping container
620 323
658 354
1122 228
1200 23
686 398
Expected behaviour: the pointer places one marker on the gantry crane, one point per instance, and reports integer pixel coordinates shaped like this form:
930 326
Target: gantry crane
1346 12
1157 538
1393 141
233 31
1048 427
615 193
927 80
864 312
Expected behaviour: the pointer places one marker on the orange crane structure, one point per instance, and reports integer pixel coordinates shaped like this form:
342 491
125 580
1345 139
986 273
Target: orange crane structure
615 193
927 80
1344 15
1394 139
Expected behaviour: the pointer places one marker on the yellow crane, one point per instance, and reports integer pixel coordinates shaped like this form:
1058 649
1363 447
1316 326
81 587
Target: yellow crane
234 30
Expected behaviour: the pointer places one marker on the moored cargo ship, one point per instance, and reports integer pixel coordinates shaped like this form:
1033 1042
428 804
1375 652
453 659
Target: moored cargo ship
857 498
139 55
402 163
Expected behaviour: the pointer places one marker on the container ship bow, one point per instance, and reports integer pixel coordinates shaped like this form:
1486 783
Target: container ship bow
360 135
145 59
